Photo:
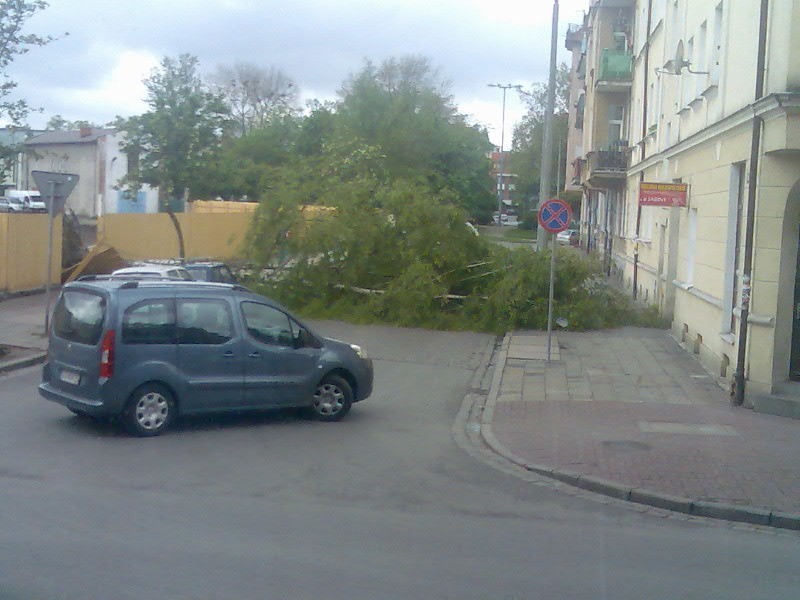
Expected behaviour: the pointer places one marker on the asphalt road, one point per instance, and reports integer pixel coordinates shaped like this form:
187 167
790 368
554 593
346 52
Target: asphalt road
381 505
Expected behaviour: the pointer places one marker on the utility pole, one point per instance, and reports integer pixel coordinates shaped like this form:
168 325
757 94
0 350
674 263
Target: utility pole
544 176
505 88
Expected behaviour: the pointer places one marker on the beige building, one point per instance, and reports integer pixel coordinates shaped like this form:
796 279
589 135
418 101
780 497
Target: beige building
713 102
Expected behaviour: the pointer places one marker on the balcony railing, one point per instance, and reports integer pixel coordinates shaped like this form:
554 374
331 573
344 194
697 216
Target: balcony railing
615 65
607 167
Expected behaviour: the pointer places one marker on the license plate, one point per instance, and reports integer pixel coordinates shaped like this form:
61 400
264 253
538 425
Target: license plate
71 377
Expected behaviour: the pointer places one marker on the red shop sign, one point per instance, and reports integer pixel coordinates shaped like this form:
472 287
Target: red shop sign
663 194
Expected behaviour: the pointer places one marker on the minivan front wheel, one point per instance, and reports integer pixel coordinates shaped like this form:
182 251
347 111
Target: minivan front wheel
149 410
332 399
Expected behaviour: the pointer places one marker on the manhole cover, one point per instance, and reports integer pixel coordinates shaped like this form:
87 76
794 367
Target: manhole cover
625 445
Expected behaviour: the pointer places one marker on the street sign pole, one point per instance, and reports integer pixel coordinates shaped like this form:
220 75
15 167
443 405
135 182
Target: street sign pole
60 186
550 299
48 276
554 216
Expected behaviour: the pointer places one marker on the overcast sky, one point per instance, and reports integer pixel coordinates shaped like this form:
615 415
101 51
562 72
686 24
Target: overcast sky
95 73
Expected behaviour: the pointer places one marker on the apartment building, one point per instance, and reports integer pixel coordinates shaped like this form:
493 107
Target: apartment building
691 132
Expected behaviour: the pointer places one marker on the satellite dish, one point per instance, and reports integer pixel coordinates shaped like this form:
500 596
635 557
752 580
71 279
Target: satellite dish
678 63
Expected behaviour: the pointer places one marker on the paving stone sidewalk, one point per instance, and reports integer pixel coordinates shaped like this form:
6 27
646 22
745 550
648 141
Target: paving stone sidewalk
631 406
22 331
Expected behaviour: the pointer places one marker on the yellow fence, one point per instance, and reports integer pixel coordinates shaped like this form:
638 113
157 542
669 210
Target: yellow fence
221 207
23 252
144 236
206 234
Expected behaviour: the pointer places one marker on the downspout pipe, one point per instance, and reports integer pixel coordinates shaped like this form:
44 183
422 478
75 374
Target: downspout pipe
643 146
749 234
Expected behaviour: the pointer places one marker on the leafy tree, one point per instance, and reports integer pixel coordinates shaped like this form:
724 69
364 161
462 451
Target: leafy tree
529 132
255 95
59 123
14 14
403 107
180 134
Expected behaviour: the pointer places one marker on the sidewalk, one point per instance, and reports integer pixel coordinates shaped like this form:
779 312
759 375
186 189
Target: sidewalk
22 331
630 414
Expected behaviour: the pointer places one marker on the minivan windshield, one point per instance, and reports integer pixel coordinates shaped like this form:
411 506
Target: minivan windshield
78 317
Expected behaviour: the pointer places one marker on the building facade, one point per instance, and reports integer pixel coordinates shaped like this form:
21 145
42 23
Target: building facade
94 154
504 182
712 104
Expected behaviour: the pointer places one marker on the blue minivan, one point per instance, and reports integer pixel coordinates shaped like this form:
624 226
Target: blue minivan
147 351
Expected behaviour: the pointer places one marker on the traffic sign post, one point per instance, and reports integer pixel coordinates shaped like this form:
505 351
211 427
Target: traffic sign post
554 216
58 186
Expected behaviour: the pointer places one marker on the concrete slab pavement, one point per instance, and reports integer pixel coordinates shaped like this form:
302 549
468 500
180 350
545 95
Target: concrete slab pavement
630 414
22 331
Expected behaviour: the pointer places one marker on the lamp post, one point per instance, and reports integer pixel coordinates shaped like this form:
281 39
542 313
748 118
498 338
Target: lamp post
505 88
544 177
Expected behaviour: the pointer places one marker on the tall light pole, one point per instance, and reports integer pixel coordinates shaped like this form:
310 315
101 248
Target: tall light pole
502 171
544 175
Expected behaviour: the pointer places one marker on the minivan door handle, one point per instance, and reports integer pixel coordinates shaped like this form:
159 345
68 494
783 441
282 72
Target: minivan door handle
255 355
228 354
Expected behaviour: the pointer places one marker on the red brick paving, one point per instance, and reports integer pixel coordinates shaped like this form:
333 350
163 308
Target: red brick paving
760 466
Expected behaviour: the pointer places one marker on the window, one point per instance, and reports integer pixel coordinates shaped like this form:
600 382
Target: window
701 80
204 322
691 246
149 322
716 46
686 78
223 274
79 316
616 120
268 325
735 206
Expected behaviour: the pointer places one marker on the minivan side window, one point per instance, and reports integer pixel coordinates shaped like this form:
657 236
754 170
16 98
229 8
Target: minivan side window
267 325
204 321
78 317
149 322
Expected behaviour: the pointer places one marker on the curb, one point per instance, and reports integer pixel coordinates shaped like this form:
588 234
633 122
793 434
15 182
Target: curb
21 363
689 506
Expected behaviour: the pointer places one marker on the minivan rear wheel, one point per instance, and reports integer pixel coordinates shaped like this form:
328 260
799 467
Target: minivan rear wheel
149 411
333 399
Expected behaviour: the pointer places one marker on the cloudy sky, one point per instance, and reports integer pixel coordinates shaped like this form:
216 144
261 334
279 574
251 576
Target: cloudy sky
95 72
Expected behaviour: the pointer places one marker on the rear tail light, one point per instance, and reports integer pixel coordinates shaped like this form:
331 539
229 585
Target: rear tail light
107 355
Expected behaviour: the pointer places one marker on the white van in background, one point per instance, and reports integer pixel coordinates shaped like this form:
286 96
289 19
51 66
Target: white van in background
31 199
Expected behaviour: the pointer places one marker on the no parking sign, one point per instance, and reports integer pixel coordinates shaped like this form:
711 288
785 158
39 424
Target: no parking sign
555 215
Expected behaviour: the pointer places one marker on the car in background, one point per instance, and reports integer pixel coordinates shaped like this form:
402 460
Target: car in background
569 237
510 220
153 271
148 351
211 271
31 200
11 205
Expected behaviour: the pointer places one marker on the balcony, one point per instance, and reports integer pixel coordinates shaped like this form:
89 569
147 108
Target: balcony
616 70
607 168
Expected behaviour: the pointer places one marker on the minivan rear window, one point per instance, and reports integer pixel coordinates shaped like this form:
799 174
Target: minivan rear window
79 316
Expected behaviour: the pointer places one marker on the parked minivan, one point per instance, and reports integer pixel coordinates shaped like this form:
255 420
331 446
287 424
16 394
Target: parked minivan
147 351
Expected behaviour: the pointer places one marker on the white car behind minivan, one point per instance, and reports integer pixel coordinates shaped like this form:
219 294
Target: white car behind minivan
31 199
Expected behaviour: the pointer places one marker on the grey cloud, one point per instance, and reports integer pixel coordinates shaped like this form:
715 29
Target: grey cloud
317 42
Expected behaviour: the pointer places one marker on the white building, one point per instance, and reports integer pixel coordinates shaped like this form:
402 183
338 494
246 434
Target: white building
95 155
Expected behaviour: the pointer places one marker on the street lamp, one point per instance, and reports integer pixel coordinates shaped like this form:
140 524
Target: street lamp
544 172
505 88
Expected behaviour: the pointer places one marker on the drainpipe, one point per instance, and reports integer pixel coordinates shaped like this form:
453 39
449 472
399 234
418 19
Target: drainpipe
749 233
643 146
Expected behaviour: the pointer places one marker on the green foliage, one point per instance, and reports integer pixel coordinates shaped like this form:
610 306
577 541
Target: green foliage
401 253
14 14
179 136
403 107
526 156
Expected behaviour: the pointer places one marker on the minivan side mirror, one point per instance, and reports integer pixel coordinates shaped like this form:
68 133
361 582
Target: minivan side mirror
303 339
